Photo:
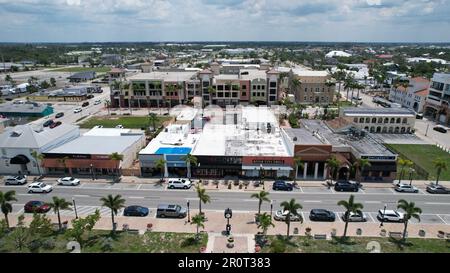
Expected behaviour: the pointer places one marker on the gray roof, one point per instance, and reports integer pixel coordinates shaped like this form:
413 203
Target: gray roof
302 135
33 137
98 145
83 75
22 108
378 111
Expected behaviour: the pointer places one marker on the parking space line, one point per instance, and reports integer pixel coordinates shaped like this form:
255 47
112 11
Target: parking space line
303 216
362 191
139 187
301 189
441 219
422 191
393 191
338 217
371 217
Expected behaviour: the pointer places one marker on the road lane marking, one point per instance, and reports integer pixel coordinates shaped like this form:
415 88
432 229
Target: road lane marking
312 201
434 203
301 189
372 202
136 197
249 200
441 219
81 195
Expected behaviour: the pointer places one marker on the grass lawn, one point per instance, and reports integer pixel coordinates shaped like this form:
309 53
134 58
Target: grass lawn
127 122
356 245
122 242
81 69
423 155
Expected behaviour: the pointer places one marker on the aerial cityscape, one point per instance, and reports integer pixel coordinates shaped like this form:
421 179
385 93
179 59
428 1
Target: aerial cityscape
129 131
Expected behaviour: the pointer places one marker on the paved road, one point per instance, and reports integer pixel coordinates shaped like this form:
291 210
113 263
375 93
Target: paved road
432 136
436 208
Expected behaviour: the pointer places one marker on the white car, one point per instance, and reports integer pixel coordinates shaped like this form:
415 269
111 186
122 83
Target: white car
97 102
16 180
77 110
120 126
406 188
280 215
355 217
39 187
68 181
179 184
390 216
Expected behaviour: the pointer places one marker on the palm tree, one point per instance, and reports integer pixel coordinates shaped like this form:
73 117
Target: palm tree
362 163
117 158
63 162
261 196
115 203
6 207
38 157
189 159
348 83
350 206
403 163
153 118
264 222
292 207
330 83
199 221
440 164
170 88
8 78
359 87
295 84
202 197
333 165
57 205
297 163
161 164
411 211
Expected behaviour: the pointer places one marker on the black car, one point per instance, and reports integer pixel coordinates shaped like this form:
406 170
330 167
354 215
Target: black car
60 114
281 185
440 129
136 211
438 189
345 186
86 103
322 215
90 96
48 123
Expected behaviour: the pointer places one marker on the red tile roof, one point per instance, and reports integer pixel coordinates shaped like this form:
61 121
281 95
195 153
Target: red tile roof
420 79
422 93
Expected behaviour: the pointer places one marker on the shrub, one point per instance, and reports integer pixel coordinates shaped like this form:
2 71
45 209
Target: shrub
49 244
229 186
188 242
277 246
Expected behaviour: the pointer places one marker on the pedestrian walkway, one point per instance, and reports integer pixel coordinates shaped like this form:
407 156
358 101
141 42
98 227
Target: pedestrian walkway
241 243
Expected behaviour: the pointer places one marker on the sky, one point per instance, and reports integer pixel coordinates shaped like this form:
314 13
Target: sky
225 20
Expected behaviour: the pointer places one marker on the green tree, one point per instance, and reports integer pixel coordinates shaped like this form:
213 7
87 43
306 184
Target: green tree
116 157
199 221
82 225
262 196
190 160
350 207
349 82
202 197
44 85
38 158
292 208
333 166
264 222
440 164
63 161
52 82
40 226
297 163
361 164
59 204
114 203
403 163
153 119
20 234
161 164
410 211
5 199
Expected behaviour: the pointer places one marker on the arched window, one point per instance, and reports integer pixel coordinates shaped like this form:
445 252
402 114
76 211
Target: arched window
397 130
392 120
379 129
391 130
398 120
384 129
380 120
374 120
361 120
386 120
355 120
367 120
404 120
372 129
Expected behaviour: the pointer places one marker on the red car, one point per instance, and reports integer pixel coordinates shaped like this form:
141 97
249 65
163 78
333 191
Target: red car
53 125
36 206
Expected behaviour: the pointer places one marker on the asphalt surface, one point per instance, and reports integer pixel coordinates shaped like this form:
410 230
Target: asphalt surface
436 208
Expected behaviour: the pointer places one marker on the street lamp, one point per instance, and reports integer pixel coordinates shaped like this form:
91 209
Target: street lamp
411 171
189 214
271 208
75 208
92 172
228 214
261 176
384 213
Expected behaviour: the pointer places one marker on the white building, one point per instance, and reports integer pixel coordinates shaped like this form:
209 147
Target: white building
438 100
413 96
337 53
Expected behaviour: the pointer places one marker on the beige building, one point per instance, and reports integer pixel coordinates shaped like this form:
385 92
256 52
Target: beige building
313 86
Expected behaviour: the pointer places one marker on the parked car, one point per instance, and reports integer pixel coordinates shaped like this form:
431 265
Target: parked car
68 181
173 211
135 211
120 126
355 217
438 189
179 183
39 187
60 114
280 185
86 103
56 124
36 207
390 216
16 180
77 110
346 186
90 96
419 116
440 129
322 215
97 102
280 215
48 123
406 188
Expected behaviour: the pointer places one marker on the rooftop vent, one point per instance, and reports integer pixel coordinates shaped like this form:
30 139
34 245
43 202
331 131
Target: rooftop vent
16 133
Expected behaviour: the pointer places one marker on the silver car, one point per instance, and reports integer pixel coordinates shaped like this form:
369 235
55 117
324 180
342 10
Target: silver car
406 188
280 215
355 217
16 180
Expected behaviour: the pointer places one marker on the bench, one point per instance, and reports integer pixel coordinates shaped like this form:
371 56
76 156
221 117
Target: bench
320 236
133 231
396 235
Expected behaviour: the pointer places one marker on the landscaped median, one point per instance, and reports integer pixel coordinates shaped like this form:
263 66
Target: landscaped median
126 122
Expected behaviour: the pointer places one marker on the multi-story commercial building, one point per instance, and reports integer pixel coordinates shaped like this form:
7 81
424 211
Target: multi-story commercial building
311 86
412 96
438 100
381 120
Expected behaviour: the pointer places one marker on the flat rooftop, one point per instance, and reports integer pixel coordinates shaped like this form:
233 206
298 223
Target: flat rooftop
175 138
378 112
250 74
170 76
96 131
23 107
302 136
310 73
259 114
